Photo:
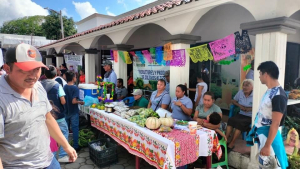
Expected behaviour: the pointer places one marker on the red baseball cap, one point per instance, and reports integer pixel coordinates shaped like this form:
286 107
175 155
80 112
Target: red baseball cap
25 57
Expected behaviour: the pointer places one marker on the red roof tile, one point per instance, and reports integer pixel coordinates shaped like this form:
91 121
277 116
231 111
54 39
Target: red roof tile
159 8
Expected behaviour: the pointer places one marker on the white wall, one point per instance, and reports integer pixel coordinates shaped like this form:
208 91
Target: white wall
102 43
92 23
220 22
148 36
295 38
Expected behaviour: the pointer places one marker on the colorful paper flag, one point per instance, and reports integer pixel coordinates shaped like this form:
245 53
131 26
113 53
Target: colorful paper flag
200 53
223 48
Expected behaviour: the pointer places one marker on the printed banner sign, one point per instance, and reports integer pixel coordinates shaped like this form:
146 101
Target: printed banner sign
73 61
146 74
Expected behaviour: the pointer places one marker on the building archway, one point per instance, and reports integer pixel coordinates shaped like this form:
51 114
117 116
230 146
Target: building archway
146 36
296 37
73 47
101 43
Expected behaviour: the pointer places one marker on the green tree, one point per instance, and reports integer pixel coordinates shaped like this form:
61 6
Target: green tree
52 27
24 26
48 26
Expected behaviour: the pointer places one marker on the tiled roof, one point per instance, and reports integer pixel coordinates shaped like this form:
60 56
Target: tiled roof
154 10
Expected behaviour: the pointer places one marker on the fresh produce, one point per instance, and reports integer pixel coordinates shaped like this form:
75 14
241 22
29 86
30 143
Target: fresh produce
167 121
181 122
98 106
128 114
164 129
139 111
85 136
152 123
294 159
141 122
138 119
148 113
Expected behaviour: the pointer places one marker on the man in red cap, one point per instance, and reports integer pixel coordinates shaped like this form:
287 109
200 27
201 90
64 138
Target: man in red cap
25 118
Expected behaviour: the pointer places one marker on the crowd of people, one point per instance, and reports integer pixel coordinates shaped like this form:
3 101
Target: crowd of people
27 118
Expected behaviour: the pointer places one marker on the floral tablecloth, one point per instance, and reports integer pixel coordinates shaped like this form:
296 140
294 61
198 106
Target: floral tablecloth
162 150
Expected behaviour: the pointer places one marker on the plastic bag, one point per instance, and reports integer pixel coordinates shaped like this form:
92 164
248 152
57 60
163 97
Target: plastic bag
88 100
163 113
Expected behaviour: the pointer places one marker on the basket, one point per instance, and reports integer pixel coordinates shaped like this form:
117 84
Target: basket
105 157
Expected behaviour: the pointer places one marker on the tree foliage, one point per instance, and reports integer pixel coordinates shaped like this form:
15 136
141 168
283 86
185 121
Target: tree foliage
52 26
24 26
48 26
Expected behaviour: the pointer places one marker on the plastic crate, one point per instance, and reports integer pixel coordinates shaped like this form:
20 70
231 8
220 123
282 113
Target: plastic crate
105 157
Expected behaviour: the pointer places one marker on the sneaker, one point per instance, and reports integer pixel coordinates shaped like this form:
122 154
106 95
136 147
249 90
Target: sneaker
64 159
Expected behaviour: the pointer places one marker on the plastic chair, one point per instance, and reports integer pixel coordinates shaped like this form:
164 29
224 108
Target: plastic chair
225 162
232 112
129 101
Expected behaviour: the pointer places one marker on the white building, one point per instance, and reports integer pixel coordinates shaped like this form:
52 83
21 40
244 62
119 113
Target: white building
272 25
11 40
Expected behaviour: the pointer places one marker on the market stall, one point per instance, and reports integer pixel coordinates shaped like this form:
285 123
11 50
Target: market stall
161 149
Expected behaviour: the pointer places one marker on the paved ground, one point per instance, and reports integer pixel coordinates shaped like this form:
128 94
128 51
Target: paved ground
126 161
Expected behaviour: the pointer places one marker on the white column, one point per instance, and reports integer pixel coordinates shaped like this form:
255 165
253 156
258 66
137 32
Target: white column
90 68
268 47
48 61
179 75
121 70
59 61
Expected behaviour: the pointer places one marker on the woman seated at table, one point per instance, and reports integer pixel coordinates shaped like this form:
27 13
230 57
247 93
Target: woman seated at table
207 108
160 97
242 121
181 105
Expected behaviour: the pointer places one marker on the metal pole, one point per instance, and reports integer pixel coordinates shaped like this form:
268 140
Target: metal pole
62 25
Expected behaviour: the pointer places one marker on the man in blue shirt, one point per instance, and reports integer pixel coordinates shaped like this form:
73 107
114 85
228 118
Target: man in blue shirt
72 113
109 76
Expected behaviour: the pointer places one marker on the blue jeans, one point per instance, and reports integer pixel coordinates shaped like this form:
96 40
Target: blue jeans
54 164
73 122
65 130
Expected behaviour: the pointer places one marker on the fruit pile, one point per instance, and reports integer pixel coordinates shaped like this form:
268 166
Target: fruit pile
98 106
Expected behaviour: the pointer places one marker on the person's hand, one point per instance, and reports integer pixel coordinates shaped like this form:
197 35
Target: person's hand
242 108
249 109
185 84
225 138
178 103
265 151
81 102
71 153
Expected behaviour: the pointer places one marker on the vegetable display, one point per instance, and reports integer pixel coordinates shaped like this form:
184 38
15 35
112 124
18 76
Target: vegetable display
142 115
294 159
181 122
167 121
153 123
85 136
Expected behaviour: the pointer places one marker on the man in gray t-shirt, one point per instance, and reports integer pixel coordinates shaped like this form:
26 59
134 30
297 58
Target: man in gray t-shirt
121 91
25 119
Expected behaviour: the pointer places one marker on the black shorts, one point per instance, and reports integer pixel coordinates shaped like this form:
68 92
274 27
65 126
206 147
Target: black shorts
240 122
